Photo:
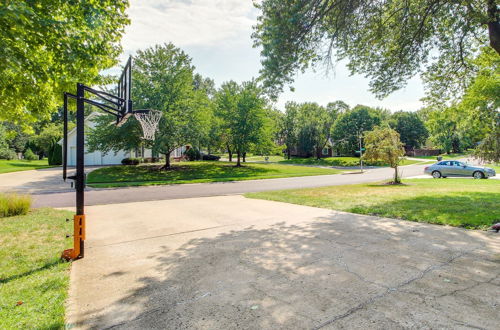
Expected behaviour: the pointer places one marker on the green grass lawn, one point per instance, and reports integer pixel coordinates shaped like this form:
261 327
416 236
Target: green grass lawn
273 159
339 161
194 172
33 281
16 165
456 202
446 156
329 161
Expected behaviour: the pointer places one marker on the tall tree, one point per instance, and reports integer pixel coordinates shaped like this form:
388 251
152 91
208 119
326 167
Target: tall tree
348 129
387 41
443 125
163 80
48 46
243 115
289 127
315 123
481 103
410 127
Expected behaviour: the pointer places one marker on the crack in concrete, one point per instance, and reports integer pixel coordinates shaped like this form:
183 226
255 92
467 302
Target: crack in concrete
392 290
253 286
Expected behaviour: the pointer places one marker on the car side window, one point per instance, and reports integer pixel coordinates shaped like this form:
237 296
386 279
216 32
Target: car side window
442 163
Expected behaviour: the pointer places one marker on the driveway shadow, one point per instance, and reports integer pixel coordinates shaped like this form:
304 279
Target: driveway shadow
343 270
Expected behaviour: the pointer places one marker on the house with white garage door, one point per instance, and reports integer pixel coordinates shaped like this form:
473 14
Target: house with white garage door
111 158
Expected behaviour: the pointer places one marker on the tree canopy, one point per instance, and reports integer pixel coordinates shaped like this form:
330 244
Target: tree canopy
351 125
243 116
163 80
387 41
410 127
50 45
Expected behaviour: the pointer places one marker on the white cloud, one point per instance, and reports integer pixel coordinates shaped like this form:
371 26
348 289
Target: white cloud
187 22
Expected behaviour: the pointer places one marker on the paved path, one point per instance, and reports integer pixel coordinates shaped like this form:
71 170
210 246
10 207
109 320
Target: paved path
149 193
229 262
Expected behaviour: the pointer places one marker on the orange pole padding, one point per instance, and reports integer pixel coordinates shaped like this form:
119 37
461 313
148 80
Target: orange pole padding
78 238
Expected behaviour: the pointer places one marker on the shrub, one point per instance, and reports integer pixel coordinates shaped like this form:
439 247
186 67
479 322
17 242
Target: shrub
210 157
55 154
131 161
193 154
8 154
151 160
29 155
14 204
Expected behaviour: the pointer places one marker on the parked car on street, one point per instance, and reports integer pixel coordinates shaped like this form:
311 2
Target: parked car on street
447 168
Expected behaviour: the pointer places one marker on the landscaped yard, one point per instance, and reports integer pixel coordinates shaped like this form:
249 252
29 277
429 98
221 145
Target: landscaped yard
33 280
193 172
16 165
457 202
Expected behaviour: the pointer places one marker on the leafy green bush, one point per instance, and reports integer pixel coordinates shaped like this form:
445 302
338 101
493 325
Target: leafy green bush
150 160
29 155
210 157
55 154
6 153
193 154
131 161
14 204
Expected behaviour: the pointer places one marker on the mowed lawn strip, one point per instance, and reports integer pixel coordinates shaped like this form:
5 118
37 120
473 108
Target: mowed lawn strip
328 161
7 166
195 172
341 161
457 202
33 280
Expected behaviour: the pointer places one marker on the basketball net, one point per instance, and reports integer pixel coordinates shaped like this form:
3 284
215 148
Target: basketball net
149 122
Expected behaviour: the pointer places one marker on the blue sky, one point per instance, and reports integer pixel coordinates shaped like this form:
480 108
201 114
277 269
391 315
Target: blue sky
216 34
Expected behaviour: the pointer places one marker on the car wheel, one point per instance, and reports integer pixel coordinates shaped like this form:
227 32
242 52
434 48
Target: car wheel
478 175
436 174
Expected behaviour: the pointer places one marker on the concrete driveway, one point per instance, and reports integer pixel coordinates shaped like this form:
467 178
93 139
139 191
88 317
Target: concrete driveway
34 181
234 263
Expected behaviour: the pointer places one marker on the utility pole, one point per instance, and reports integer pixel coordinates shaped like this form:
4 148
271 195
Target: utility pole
360 153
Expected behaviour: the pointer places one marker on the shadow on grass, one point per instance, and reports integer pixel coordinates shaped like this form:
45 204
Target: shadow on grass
341 270
47 265
473 210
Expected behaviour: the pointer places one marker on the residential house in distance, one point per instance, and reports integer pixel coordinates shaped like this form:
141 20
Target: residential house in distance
97 157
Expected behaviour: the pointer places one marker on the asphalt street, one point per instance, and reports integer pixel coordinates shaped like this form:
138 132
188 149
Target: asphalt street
66 198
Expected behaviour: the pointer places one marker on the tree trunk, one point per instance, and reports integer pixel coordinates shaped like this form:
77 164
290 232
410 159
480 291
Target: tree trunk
230 153
396 177
289 153
167 162
238 163
494 25
244 157
318 153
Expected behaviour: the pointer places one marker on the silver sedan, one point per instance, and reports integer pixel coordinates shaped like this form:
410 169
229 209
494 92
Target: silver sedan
446 168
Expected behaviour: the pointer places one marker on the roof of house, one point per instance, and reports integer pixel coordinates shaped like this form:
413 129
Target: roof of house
87 119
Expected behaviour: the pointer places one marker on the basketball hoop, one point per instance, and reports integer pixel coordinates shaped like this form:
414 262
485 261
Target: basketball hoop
149 120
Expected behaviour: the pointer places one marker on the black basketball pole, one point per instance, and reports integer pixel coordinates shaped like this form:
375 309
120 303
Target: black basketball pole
121 107
80 154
